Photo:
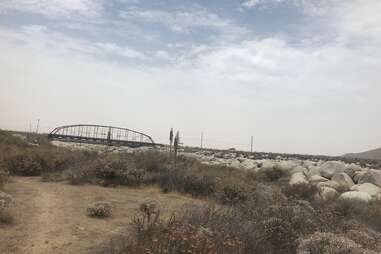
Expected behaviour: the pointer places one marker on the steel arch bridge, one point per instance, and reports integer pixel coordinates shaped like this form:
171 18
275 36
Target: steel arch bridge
99 134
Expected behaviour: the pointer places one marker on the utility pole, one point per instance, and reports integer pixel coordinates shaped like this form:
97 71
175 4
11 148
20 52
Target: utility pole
38 125
202 139
251 147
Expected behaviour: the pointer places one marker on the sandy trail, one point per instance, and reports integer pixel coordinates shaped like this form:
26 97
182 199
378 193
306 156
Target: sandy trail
51 217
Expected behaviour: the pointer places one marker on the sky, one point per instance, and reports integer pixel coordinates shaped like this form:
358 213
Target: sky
300 76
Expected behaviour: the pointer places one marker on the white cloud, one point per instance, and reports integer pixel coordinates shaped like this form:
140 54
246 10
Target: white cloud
40 38
54 8
256 3
185 21
359 20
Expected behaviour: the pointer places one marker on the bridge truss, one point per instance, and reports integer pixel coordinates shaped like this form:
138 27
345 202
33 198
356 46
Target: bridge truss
99 134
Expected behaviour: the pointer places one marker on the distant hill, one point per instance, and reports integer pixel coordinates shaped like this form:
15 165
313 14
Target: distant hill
372 154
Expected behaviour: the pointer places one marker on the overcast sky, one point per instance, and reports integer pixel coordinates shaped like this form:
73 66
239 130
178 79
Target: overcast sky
301 76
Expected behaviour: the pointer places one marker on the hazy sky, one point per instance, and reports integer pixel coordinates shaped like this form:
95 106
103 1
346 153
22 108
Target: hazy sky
301 76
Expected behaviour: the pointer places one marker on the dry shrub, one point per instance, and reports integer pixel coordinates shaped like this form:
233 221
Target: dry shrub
34 162
329 243
303 191
6 201
99 210
24 164
233 194
367 238
197 231
199 185
371 215
270 174
6 217
3 177
152 161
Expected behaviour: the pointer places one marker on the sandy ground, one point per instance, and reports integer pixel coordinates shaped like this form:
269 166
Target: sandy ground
51 217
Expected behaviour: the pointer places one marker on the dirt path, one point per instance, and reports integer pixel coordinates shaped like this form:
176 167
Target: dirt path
51 217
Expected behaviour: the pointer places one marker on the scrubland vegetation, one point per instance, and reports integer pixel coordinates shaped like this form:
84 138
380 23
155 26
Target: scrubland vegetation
248 213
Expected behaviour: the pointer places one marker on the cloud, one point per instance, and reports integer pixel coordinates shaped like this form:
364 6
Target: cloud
257 3
359 20
184 21
54 8
40 38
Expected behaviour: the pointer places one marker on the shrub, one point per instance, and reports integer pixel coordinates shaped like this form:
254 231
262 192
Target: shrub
152 161
78 176
199 185
194 232
367 238
170 180
233 194
3 177
99 209
329 243
303 191
277 236
133 177
5 202
371 215
24 164
6 217
270 174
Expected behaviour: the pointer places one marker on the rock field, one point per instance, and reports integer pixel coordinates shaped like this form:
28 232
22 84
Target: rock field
334 179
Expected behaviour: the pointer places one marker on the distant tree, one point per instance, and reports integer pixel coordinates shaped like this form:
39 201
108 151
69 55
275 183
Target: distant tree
170 141
176 145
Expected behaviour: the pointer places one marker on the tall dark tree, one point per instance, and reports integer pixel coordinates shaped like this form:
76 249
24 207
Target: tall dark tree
176 145
170 141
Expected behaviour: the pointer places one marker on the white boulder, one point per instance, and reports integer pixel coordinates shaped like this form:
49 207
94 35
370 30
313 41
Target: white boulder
329 168
371 176
359 174
352 169
328 193
233 163
369 188
329 183
298 178
267 164
287 166
248 164
355 196
343 180
313 170
317 179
